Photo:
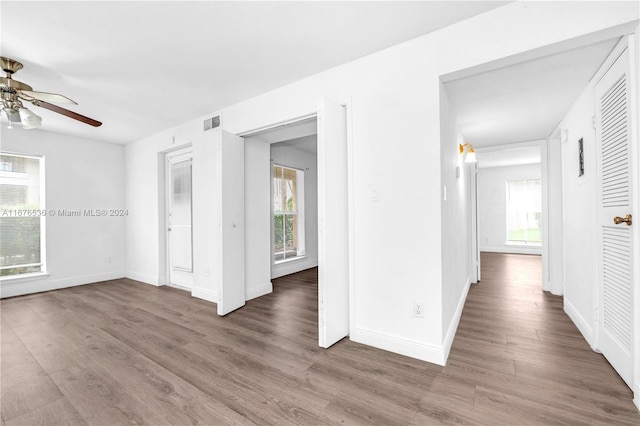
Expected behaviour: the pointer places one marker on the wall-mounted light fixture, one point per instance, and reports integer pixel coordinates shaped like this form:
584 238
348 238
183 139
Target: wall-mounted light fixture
470 155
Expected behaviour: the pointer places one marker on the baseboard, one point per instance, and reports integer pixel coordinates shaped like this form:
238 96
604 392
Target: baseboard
399 345
205 294
513 250
143 278
292 267
583 325
453 326
636 393
258 291
47 284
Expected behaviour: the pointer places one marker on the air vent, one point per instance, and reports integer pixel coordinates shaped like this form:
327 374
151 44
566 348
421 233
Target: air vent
212 123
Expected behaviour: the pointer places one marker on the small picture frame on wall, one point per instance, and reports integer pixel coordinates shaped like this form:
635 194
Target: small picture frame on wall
580 157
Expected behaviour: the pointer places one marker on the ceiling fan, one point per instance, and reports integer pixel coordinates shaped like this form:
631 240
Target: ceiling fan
14 92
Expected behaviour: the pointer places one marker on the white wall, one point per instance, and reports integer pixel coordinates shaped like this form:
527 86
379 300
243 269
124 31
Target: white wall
80 174
257 203
394 110
580 209
553 259
290 156
492 206
456 222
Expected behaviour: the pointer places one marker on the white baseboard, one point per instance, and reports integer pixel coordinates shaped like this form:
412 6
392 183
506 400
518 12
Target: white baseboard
287 268
143 278
581 323
48 284
205 294
513 250
257 291
399 345
636 393
453 325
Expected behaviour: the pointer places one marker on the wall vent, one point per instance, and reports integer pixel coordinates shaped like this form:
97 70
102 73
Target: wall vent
212 123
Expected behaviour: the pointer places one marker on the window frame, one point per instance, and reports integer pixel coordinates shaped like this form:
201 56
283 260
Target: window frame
40 212
298 214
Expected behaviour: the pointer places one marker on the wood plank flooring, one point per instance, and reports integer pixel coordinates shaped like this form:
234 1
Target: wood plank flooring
122 352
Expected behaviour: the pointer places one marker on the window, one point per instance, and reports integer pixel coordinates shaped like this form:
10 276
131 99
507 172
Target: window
288 213
22 215
524 210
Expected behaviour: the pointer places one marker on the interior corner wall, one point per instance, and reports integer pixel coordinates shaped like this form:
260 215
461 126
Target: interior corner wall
290 156
80 174
492 206
455 221
579 211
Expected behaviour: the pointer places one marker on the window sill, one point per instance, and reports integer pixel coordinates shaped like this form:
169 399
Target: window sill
516 244
291 259
23 278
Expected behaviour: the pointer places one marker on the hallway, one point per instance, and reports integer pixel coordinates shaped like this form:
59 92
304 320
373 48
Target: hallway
524 356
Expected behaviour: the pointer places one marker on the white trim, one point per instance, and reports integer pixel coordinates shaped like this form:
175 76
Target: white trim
143 278
19 289
400 345
513 250
351 215
296 264
453 326
289 259
635 176
10 279
580 322
283 123
205 294
258 291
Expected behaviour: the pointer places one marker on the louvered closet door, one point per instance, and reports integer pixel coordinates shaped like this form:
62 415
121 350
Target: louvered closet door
615 257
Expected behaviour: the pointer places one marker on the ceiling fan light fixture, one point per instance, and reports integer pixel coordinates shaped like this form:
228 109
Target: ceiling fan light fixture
28 119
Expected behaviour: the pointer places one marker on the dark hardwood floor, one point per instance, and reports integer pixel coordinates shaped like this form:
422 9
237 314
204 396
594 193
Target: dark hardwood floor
122 352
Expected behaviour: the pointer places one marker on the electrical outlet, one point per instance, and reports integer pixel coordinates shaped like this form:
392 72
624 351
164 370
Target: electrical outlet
418 309
110 259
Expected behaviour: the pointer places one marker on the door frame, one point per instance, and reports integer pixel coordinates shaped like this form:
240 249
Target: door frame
627 43
348 105
183 150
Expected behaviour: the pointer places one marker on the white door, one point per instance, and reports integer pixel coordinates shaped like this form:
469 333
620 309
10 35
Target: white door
231 293
179 230
615 258
333 239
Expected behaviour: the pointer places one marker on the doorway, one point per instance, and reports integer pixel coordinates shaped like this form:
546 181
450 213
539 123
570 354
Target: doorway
330 126
179 218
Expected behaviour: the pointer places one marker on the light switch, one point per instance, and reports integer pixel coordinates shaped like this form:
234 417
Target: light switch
374 193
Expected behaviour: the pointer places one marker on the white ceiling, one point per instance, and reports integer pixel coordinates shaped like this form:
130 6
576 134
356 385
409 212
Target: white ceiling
509 156
307 143
142 67
524 101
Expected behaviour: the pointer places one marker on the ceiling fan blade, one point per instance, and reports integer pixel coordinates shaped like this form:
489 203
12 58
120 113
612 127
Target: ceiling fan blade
70 114
49 97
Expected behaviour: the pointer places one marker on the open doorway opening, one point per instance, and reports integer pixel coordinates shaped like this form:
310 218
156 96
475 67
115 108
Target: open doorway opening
332 228
509 203
549 97
291 187
294 215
